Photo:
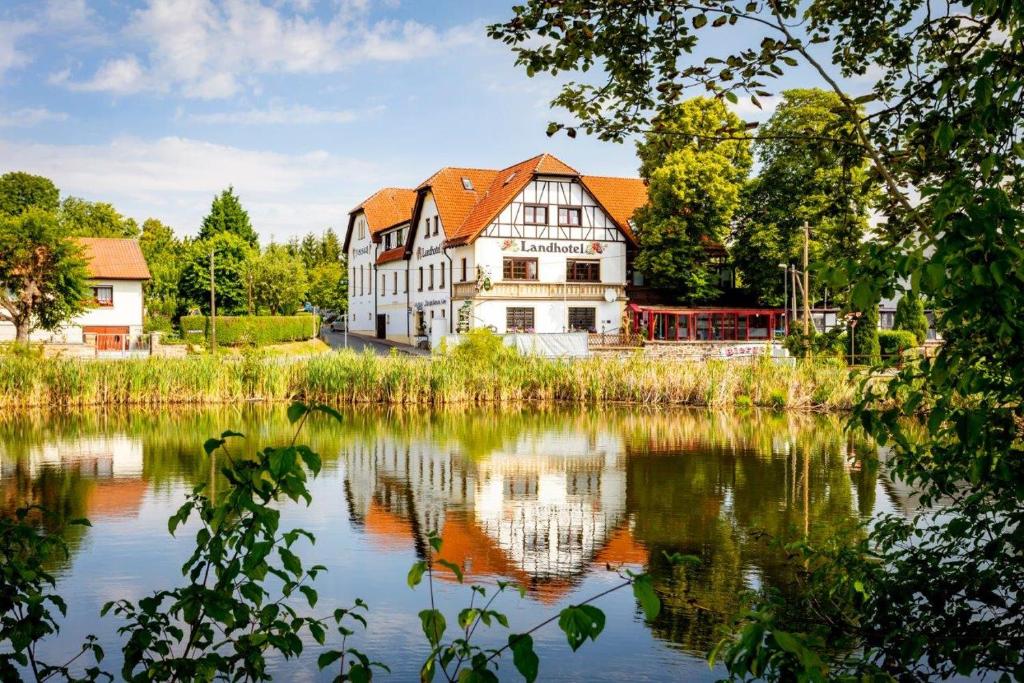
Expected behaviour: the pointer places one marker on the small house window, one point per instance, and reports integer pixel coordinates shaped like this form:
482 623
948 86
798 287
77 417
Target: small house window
387 241
103 296
421 278
535 215
583 319
395 282
582 271
437 225
519 269
428 228
463 270
568 216
519 319
431 276
442 275
467 184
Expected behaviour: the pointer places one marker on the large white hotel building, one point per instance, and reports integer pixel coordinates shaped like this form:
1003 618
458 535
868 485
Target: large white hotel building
535 247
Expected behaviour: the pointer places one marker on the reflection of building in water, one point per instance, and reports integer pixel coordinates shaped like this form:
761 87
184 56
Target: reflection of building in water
110 465
541 509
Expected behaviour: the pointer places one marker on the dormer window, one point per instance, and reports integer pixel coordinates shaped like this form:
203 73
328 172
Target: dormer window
467 184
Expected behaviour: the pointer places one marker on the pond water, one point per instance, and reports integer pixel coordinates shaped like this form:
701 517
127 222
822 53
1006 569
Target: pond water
548 498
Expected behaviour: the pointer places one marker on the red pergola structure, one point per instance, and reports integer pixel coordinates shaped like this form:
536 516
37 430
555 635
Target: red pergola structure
666 323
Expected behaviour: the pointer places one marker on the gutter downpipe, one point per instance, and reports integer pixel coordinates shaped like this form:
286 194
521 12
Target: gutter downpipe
451 289
376 292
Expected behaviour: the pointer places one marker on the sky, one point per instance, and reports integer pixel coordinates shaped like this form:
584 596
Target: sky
306 107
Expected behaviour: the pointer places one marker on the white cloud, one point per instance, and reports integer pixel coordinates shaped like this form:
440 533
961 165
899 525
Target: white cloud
747 110
10 56
206 50
68 14
30 116
276 114
121 76
175 179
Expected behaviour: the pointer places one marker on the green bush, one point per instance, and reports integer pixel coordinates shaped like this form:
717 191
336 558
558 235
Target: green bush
255 330
827 344
893 342
910 316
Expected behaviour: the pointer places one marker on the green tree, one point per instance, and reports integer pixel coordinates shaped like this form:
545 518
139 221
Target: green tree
279 281
694 190
42 273
330 250
83 218
826 185
696 123
866 348
164 253
231 257
328 286
937 596
227 215
20 191
910 316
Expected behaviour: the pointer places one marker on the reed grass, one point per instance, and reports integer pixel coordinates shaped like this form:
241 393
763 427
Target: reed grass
347 378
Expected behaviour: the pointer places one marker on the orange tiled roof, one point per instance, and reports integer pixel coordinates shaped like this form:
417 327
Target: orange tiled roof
620 197
387 208
114 258
506 184
393 254
454 202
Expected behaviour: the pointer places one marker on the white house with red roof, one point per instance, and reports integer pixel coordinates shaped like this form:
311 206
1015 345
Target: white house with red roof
535 247
117 271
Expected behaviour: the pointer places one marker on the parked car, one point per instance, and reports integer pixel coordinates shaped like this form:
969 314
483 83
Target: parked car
338 324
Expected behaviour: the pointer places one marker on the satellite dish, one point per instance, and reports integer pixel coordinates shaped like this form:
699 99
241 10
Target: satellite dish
610 295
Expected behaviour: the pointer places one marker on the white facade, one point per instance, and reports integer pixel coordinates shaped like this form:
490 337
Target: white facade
362 257
430 273
125 310
552 224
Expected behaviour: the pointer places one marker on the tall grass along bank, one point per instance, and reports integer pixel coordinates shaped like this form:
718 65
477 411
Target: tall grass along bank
349 378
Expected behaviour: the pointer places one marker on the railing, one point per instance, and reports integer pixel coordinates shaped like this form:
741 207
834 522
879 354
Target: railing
575 291
608 340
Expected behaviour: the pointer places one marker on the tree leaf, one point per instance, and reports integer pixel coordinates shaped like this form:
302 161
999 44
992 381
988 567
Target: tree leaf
526 660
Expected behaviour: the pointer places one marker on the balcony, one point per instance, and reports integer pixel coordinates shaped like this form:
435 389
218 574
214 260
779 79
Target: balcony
569 291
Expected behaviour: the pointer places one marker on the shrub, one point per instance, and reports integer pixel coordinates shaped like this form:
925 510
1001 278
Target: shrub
744 401
894 342
828 344
255 330
777 400
910 317
865 339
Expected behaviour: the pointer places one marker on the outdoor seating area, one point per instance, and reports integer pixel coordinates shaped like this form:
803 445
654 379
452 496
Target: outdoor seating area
669 324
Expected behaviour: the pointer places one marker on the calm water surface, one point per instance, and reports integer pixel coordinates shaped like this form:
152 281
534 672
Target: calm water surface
547 498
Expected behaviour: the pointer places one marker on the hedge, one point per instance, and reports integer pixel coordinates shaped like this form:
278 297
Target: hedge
894 342
258 330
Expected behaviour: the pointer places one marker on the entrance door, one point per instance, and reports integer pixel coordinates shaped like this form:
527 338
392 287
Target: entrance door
382 326
109 338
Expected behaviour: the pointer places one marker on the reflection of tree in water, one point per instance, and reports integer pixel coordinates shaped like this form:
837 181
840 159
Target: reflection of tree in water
775 475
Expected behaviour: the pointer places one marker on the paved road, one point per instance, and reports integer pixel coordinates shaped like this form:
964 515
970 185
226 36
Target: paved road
357 343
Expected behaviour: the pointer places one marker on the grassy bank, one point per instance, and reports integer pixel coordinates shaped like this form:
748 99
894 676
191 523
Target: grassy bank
348 378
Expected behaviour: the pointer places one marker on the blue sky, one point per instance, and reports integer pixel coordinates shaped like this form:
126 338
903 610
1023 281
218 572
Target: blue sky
305 106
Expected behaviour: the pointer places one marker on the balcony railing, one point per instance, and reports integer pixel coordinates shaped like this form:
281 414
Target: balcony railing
572 291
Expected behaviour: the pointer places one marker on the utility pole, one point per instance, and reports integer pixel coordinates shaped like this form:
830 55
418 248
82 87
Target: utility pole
213 307
792 275
807 281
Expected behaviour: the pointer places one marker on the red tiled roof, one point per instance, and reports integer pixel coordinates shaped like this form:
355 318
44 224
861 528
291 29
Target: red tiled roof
620 197
454 202
114 259
507 183
393 254
387 208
